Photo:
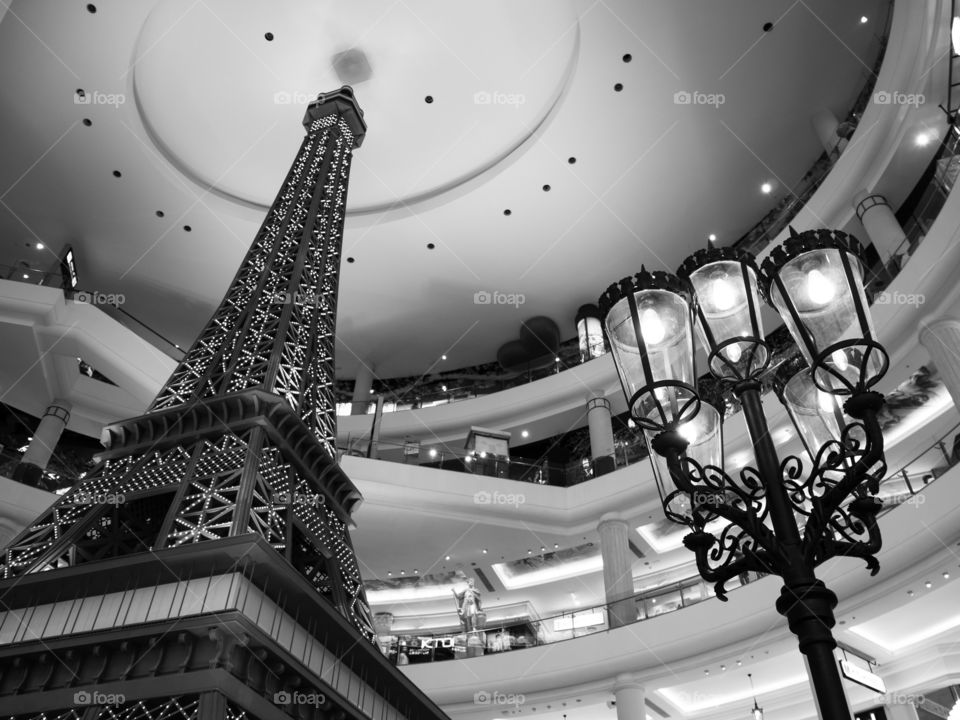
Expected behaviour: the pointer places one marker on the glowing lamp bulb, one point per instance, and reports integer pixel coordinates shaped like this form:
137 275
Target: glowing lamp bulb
825 401
955 34
723 294
688 432
819 288
840 360
652 327
733 352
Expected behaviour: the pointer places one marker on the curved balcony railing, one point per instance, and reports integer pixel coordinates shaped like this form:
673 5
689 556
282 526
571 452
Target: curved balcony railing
901 487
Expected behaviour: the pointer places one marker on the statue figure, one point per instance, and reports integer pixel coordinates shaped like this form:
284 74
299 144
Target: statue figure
468 607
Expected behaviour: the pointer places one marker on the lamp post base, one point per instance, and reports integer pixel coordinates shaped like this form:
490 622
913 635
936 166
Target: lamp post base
808 607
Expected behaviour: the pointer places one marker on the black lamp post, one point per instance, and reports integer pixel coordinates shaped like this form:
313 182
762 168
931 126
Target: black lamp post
776 518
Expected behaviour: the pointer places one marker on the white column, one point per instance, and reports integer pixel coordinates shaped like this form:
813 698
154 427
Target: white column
880 224
631 698
617 569
601 435
941 338
45 438
47 435
825 125
362 385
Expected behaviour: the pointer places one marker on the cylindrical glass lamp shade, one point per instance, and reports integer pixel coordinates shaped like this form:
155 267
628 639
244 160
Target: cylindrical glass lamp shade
816 284
817 415
590 333
724 282
649 327
704 435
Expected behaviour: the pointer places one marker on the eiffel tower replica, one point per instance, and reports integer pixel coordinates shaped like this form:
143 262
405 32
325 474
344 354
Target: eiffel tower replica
204 569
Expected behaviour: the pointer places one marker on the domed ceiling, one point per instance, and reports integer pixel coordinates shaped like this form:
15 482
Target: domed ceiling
519 156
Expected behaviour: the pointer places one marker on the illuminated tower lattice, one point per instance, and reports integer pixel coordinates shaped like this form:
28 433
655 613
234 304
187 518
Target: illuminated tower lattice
204 569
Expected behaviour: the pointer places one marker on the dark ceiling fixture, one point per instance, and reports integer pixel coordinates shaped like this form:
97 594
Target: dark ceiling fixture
618 87
430 246
508 211
268 36
187 228
428 99
117 173
571 160
159 213
350 260
768 26
88 122
91 8
546 188
627 58
775 518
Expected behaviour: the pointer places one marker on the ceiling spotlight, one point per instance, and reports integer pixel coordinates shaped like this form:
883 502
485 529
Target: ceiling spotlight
443 357
443 387
403 572
484 551
556 545
863 19
739 663
712 237
542 549
525 433
389 574
40 246
706 672
529 552
25 276
371 391
766 188
433 452
415 571
946 576
446 557
928 584
723 667
557 359
910 593
923 139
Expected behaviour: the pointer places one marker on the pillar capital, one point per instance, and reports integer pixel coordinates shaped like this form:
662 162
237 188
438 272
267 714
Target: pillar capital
611 518
931 325
864 201
626 681
597 401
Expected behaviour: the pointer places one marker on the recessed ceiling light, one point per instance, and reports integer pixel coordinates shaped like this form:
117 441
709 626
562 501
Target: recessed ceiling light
40 246
91 8
529 552
922 139
910 593
403 572
446 557
864 19
389 573
508 211
928 584
766 188
159 213
350 260
88 122
443 357
25 276
946 576
767 26
628 57
430 246
618 87
712 237
546 188
117 173
268 36
187 228
556 359
525 433
572 160
428 99
433 453
484 551
443 387
542 549
556 545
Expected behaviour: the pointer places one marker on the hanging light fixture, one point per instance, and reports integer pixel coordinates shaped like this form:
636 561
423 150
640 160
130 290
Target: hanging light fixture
757 710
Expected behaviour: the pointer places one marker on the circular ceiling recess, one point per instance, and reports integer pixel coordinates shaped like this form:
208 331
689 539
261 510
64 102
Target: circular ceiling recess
226 107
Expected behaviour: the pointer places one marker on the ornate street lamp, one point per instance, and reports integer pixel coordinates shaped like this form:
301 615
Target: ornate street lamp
776 518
